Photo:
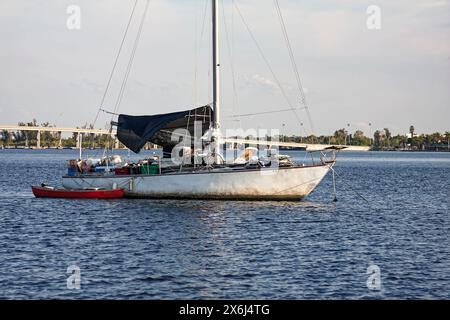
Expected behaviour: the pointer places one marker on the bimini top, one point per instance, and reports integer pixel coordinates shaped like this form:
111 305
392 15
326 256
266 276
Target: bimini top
135 131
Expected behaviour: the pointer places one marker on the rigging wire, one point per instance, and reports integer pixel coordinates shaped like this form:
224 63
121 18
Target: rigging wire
204 19
198 42
350 187
230 58
130 62
259 113
194 84
108 112
115 63
293 63
266 61
261 52
210 62
233 47
127 73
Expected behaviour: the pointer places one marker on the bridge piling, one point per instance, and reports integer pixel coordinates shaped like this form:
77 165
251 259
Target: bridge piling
60 139
38 139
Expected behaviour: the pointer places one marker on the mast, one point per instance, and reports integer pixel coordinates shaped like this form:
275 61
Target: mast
216 63
216 80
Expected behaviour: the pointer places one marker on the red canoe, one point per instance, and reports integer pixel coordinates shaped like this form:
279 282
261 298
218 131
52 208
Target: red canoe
48 192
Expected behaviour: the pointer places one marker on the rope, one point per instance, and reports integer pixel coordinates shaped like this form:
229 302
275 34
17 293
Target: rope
127 73
293 63
115 62
109 112
130 62
187 128
230 58
348 185
196 53
334 186
266 61
209 57
259 113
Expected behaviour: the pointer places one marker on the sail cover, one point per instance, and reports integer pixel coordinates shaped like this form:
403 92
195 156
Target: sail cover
135 131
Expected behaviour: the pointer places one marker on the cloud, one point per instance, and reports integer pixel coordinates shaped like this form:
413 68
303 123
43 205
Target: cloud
264 82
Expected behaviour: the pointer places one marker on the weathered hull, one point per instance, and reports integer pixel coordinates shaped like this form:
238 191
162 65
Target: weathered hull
270 184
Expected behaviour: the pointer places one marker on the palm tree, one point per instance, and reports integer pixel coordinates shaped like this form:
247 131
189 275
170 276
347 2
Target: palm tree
388 135
341 136
447 135
377 139
411 137
411 130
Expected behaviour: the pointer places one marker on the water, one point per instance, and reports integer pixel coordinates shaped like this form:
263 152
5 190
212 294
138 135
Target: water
160 249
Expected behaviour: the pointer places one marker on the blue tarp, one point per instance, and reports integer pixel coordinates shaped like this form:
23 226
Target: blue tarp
135 131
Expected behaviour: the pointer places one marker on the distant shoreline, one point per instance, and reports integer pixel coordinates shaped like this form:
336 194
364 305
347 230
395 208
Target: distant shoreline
281 149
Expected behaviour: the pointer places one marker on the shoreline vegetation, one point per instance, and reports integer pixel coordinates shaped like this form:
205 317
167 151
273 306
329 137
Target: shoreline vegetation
382 140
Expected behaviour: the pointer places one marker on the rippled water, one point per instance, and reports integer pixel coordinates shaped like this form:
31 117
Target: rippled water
160 249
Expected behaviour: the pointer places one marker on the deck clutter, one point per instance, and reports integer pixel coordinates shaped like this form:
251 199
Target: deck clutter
248 158
113 166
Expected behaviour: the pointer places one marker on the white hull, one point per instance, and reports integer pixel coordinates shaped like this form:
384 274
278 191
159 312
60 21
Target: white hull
292 183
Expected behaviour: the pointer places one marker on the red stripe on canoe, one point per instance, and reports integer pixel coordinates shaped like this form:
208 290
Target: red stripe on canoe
40 192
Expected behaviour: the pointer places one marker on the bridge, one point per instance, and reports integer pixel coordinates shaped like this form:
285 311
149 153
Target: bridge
81 131
305 146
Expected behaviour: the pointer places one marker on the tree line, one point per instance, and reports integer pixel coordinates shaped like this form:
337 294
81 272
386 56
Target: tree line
382 140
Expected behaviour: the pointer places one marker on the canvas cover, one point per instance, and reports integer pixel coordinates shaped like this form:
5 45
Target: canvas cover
135 131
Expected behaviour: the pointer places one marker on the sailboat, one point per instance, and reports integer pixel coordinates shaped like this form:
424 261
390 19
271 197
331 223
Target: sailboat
201 169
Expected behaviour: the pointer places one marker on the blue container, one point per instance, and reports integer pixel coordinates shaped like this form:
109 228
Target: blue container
100 169
71 172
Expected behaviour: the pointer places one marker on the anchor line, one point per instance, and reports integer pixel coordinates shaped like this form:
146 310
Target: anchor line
350 187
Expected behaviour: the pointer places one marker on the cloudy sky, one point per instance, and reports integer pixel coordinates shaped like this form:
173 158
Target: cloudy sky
392 77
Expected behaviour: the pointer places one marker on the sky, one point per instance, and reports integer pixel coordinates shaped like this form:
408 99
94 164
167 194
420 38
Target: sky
394 76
